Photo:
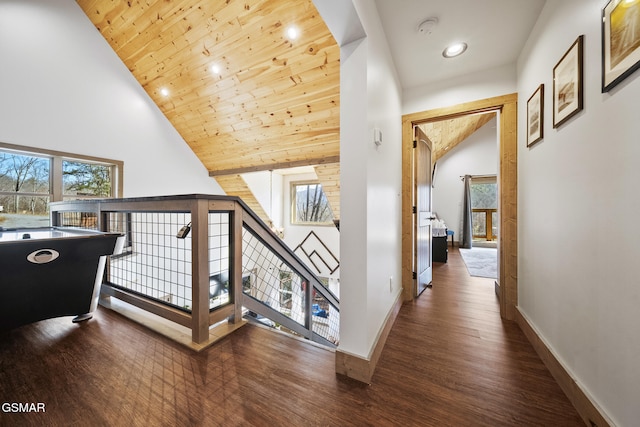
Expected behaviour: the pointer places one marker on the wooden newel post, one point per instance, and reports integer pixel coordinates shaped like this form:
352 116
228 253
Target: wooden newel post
200 270
235 262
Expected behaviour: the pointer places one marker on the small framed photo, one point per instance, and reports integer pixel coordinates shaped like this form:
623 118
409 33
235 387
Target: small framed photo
535 116
567 84
620 41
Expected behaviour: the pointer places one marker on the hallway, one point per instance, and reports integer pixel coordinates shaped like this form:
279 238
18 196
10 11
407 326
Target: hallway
469 366
449 360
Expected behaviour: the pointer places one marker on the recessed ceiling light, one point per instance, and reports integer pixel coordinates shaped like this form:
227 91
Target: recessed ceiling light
215 69
164 91
454 50
293 33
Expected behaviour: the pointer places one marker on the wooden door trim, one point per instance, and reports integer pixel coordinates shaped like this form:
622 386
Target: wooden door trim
508 178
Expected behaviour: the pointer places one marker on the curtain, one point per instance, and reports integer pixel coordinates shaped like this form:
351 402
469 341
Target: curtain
467 232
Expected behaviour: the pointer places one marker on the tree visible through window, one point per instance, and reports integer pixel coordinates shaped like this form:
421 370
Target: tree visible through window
310 204
484 203
86 179
24 189
30 179
484 195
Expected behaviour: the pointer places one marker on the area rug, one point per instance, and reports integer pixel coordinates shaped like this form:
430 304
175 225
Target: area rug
481 262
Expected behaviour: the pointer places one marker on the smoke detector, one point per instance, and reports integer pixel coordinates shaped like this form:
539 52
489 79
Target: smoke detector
426 26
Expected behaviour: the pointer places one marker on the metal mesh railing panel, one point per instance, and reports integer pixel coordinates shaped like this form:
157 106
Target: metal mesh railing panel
88 220
219 290
154 263
157 263
326 318
272 281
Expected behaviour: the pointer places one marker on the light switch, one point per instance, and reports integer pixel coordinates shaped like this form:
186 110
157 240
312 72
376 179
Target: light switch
377 136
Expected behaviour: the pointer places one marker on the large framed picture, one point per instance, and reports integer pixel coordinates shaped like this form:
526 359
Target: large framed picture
620 41
567 84
535 116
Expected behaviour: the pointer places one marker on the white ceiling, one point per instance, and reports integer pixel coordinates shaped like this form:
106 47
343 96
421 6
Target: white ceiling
495 30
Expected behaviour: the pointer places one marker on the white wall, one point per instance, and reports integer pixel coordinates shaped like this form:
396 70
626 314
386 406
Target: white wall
487 84
370 176
384 174
578 204
63 88
267 188
294 234
477 155
278 195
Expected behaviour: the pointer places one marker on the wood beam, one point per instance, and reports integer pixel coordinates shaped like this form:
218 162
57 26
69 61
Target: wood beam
274 166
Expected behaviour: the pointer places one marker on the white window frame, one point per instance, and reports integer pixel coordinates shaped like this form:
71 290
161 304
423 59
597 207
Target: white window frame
294 211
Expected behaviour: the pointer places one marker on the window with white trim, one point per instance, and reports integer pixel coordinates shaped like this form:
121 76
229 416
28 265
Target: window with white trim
309 204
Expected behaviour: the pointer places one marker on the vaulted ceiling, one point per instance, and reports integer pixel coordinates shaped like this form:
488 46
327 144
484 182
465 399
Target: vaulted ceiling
446 134
241 93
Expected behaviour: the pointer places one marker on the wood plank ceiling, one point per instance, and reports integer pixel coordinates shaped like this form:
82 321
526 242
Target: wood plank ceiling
274 102
329 176
446 134
235 185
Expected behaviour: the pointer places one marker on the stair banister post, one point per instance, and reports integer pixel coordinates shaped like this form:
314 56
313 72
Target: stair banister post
235 261
200 270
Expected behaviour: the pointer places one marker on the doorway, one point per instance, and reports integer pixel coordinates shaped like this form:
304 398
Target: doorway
506 106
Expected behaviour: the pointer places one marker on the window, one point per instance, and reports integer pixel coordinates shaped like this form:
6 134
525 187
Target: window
484 204
310 204
31 178
24 190
81 179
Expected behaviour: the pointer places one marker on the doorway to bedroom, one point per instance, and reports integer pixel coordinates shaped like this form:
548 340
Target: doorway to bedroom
506 285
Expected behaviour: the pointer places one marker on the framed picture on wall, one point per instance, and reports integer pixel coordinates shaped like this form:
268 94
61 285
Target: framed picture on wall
567 84
535 116
620 41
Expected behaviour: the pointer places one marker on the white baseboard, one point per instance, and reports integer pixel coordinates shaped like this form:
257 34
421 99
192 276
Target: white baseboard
591 414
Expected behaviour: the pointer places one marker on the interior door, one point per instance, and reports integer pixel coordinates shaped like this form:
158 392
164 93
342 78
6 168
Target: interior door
422 218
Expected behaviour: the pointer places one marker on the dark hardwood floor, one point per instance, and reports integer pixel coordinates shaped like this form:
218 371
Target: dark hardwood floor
449 361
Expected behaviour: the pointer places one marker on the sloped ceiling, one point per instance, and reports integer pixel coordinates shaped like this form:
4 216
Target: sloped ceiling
235 185
446 134
275 102
329 177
